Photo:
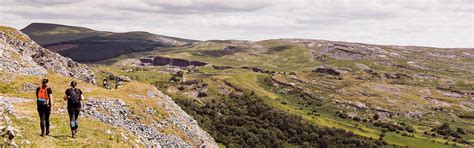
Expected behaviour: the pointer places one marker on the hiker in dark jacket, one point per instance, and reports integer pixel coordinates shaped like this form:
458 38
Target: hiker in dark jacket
74 97
44 103
106 84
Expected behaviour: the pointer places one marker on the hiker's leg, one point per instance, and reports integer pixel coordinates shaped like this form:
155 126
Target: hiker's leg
76 116
70 111
73 120
47 112
42 116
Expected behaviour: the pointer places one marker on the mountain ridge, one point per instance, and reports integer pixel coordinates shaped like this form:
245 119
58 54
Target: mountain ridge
88 45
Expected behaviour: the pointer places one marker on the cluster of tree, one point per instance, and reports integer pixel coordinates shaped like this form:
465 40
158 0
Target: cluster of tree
343 115
394 127
444 130
247 121
407 135
447 132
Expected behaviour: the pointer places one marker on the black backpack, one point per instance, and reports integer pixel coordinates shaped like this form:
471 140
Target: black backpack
75 96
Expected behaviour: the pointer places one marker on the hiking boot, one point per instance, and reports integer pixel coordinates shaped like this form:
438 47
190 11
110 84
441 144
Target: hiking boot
47 133
42 134
74 133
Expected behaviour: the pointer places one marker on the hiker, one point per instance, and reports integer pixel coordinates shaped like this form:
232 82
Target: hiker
106 84
44 103
74 97
117 80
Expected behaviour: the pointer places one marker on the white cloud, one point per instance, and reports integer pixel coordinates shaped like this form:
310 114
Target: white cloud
437 23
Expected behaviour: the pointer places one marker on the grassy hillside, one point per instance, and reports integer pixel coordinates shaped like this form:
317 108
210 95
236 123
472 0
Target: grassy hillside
46 34
91 132
321 113
411 90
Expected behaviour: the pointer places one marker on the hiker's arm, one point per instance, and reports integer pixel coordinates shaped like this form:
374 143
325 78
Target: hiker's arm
82 97
37 90
50 95
65 95
51 100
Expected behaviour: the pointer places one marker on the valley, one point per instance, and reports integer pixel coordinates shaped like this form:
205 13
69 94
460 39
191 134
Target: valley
389 93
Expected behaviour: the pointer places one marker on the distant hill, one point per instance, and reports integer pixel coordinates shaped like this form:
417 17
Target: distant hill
88 45
45 34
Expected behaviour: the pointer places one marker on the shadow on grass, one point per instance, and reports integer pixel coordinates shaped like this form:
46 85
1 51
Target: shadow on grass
61 137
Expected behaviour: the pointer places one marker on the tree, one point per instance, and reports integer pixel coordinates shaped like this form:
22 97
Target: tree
460 130
376 117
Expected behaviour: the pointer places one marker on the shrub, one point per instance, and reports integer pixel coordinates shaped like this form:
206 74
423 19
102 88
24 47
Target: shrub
342 115
410 129
356 119
376 117
460 130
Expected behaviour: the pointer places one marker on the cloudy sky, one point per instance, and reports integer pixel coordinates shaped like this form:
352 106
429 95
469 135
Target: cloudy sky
439 23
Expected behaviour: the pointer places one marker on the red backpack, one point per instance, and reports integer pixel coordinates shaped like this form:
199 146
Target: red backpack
43 93
43 96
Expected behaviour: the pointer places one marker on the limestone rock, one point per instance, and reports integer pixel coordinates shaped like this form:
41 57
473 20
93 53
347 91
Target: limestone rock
327 70
19 54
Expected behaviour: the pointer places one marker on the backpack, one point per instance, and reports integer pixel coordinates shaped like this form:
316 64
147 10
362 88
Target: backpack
75 96
43 96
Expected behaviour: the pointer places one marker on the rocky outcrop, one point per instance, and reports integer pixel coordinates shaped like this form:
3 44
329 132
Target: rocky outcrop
327 70
349 51
182 120
6 123
364 68
256 69
452 92
19 54
391 75
344 52
146 62
221 67
116 112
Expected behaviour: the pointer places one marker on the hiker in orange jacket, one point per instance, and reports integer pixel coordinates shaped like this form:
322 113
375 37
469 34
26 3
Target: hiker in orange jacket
44 103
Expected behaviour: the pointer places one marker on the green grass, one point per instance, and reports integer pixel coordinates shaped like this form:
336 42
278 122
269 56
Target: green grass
13 33
148 76
91 131
421 142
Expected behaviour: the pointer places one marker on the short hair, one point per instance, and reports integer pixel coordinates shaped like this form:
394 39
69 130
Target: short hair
44 81
73 84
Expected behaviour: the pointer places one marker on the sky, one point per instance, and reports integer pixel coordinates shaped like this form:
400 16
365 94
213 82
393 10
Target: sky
437 23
